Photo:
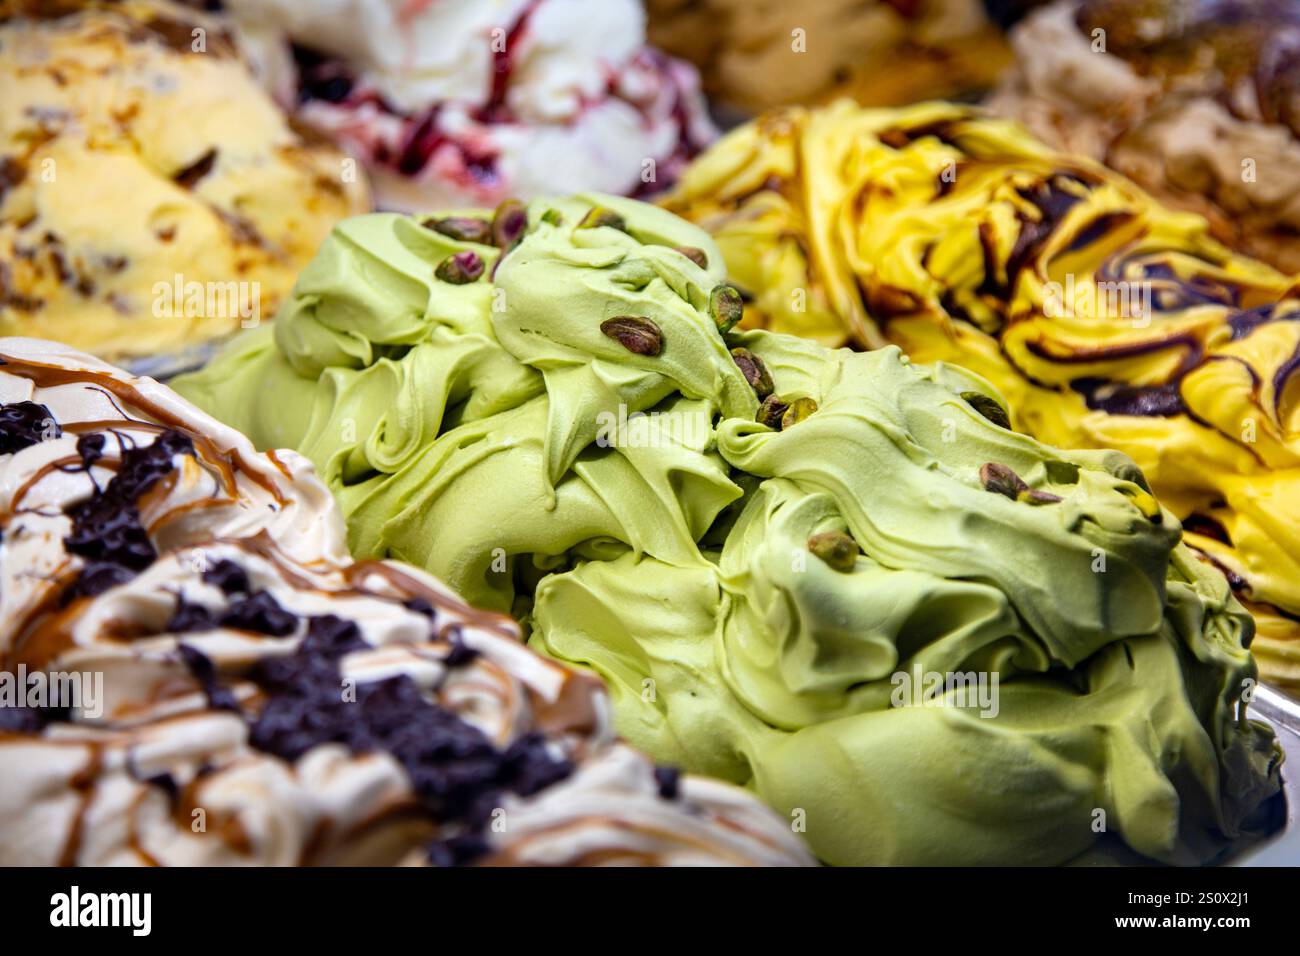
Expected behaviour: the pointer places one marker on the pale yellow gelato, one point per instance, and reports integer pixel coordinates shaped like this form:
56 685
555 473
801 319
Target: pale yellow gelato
152 196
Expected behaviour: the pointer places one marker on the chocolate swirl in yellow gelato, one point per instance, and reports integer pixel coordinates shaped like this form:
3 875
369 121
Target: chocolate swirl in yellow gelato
1105 319
1198 101
762 543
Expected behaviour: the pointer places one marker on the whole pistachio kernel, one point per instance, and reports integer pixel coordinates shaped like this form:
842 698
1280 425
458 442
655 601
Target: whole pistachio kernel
601 216
1001 480
800 410
836 549
988 408
726 308
695 254
770 412
755 371
636 333
509 223
462 229
460 269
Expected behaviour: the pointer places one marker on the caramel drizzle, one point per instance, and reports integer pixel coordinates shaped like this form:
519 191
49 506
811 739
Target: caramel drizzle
43 637
84 782
52 376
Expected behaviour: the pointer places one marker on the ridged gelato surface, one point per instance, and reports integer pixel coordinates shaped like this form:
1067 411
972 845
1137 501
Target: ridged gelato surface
769 548
153 198
193 671
1105 319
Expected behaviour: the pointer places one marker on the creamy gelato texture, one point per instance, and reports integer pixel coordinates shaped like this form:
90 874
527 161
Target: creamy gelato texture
760 542
469 102
755 54
1106 319
153 198
192 642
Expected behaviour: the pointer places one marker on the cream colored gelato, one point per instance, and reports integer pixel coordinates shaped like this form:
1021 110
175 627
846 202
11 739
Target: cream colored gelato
469 103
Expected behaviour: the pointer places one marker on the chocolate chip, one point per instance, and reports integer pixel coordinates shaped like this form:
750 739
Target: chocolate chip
420 606
30 720
460 653
228 576
669 780
96 578
106 528
205 674
189 618
189 177
23 424
261 614
90 448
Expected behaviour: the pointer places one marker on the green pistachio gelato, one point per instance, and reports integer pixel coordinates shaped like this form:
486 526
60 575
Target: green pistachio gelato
572 438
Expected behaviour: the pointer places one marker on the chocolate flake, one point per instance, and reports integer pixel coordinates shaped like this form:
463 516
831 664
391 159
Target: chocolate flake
106 528
456 771
189 177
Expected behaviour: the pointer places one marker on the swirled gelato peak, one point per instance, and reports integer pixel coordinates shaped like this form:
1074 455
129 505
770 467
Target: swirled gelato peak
193 671
770 549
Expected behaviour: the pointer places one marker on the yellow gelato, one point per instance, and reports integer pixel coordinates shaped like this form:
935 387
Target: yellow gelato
152 196
1105 319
